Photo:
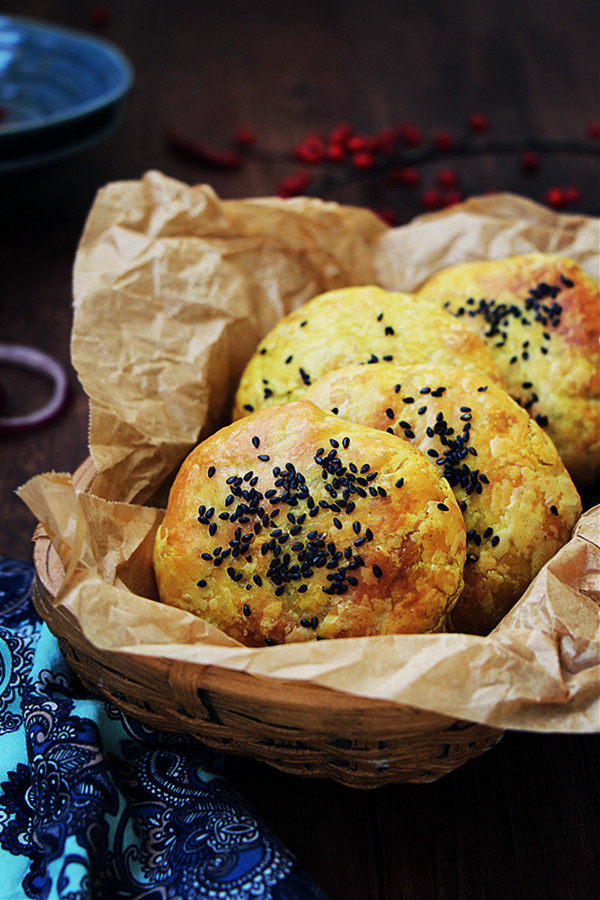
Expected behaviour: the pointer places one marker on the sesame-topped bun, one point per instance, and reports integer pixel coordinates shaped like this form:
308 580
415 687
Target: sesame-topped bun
518 500
350 326
294 525
540 317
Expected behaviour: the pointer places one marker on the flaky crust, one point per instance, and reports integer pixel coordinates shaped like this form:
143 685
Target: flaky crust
540 317
397 570
518 500
350 326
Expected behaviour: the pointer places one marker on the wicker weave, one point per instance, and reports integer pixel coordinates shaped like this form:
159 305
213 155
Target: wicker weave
300 728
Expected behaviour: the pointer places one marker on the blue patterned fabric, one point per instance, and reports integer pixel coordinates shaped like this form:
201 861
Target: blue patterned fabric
95 805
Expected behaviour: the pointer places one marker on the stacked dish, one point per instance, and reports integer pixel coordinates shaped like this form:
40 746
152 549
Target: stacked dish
61 92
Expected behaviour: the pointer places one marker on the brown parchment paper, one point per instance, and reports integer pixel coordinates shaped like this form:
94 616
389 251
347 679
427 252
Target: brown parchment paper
173 289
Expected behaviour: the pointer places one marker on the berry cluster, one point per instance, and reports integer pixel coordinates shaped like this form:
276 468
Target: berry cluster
394 156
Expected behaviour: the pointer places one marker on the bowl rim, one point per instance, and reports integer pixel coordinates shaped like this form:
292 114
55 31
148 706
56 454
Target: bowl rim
80 110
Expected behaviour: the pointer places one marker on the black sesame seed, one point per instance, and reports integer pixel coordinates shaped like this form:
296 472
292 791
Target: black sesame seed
211 471
245 608
337 522
488 533
305 623
270 642
443 507
302 589
346 443
201 583
256 441
421 410
554 510
264 457
397 388
482 389
495 541
389 413
400 482
248 407
377 572
302 324
334 443
408 399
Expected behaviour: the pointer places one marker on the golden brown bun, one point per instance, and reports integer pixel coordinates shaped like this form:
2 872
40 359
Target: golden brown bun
540 317
379 556
350 326
518 500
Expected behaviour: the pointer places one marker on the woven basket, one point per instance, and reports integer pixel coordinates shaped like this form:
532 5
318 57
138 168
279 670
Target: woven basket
299 728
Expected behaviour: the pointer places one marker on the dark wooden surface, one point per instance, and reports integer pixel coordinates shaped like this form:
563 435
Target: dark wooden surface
523 819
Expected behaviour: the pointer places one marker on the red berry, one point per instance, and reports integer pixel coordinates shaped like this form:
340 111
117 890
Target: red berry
410 134
385 141
432 199
293 185
311 150
243 138
593 130
388 216
572 195
447 178
452 197
363 160
555 198
358 143
530 162
443 140
100 15
335 153
407 176
340 133
479 123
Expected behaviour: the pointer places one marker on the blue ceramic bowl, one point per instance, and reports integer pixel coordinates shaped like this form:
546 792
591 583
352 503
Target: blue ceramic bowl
50 77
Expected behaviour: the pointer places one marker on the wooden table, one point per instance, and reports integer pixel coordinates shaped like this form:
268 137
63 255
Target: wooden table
523 819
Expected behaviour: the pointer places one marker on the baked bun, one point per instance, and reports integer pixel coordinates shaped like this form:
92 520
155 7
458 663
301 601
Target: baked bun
540 317
518 501
350 326
294 525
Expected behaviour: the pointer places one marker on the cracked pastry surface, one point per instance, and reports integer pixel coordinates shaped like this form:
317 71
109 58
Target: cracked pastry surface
518 501
349 326
294 525
540 317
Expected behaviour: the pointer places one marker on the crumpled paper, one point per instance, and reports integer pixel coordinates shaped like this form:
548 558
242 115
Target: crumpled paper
173 290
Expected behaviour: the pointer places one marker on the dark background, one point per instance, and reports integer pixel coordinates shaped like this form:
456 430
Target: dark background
523 819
